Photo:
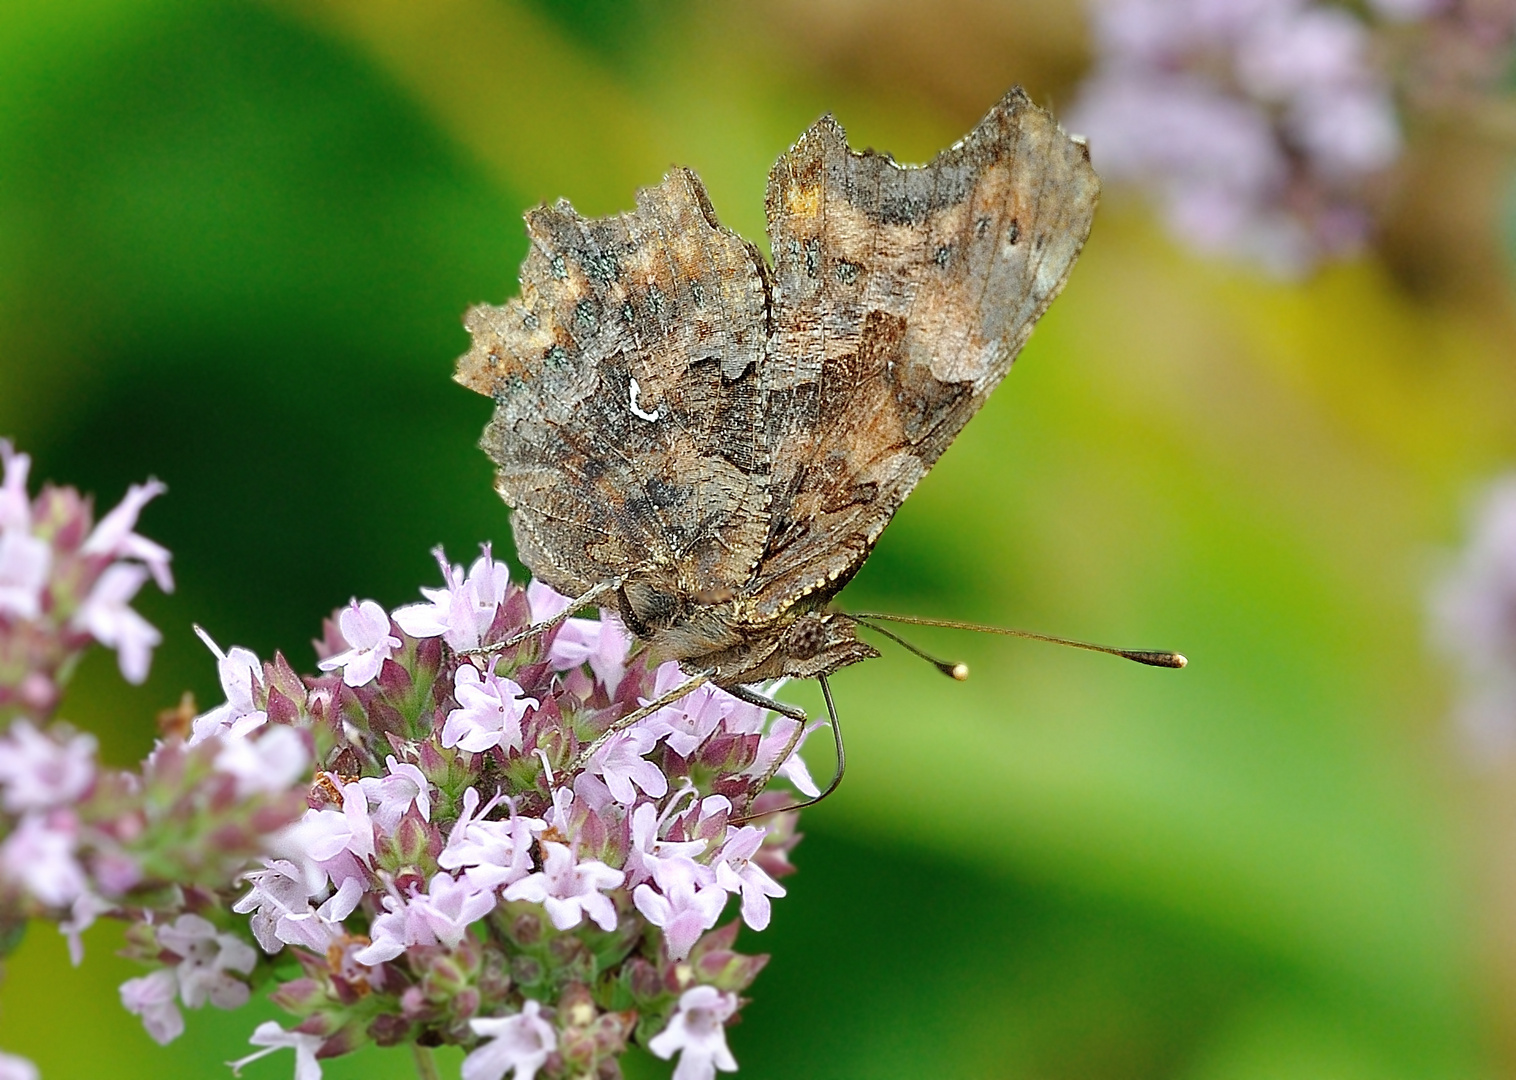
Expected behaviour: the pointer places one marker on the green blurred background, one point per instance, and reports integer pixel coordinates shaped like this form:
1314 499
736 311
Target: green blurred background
236 239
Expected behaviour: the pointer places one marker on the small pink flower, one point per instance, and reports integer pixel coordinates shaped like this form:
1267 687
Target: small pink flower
688 722
280 904
86 908
570 890
648 851
697 1032
115 872
271 1035
603 643
490 853
620 763
1310 46
490 708
462 610
394 794
389 933
545 601
687 903
340 842
273 762
366 629
25 562
106 617
736 873
519 1044
441 915
1474 613
114 537
241 675
794 768
208 960
15 504
38 772
357 823
154 998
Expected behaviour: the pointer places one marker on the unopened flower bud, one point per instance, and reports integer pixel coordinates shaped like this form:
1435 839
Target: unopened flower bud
730 971
526 970
299 996
116 872
643 980
446 975
409 851
413 1002
37 694
387 1029
526 929
465 1003
576 1008
566 950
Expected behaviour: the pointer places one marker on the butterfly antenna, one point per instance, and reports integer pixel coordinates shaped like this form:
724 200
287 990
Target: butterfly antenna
1151 657
959 671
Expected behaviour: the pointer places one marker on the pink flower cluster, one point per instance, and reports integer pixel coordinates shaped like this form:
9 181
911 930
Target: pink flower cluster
65 583
1260 126
493 856
520 843
78 841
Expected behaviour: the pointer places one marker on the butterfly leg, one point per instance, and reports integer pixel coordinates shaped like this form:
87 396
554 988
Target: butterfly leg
594 593
697 680
763 701
831 714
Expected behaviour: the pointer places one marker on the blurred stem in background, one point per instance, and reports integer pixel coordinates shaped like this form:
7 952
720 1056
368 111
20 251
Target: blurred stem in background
426 1062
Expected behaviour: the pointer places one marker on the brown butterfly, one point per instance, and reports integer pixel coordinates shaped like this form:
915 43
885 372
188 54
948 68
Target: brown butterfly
714 444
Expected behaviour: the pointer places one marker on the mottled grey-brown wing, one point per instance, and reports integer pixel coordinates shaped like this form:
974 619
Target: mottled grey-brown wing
625 378
901 295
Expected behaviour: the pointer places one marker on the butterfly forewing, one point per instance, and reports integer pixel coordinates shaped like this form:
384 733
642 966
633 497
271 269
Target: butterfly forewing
606 476
901 296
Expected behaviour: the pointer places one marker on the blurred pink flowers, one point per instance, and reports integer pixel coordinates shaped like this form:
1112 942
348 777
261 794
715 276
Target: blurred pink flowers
1263 129
66 581
518 1045
1474 621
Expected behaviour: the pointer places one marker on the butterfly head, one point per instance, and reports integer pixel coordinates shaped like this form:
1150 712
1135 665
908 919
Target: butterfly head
818 643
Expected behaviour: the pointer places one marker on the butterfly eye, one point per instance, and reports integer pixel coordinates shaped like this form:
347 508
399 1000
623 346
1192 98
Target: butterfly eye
806 638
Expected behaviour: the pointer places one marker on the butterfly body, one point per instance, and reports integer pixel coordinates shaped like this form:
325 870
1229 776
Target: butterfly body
724 439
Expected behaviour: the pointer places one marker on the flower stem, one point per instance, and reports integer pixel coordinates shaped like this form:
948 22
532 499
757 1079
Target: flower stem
426 1063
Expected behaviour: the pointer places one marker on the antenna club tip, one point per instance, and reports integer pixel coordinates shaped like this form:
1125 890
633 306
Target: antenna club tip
1180 660
960 672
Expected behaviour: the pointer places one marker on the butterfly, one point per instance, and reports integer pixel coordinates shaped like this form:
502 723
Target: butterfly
712 443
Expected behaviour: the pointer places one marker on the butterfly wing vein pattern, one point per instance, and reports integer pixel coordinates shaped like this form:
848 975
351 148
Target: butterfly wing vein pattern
731 438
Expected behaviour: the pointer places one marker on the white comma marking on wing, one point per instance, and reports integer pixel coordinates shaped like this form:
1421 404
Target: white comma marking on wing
633 391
